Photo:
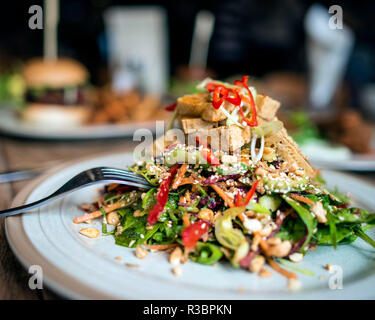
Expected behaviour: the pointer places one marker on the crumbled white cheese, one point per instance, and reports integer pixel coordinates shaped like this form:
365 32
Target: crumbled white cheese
252 225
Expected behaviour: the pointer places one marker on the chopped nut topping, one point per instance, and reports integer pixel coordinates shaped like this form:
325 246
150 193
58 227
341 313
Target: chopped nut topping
175 256
264 273
137 213
131 265
280 250
177 271
206 214
140 253
113 218
320 213
256 264
296 257
90 232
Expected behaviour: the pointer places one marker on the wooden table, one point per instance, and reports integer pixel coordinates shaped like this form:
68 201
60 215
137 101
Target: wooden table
20 154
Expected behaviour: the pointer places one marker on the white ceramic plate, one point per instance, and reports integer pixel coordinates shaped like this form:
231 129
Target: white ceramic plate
79 267
11 125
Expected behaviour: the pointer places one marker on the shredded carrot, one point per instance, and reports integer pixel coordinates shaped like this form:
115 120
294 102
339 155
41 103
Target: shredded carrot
223 195
180 175
273 264
112 186
264 245
160 247
187 180
301 198
186 219
98 213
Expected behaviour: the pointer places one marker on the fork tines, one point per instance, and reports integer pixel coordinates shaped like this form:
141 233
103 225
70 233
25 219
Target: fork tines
113 173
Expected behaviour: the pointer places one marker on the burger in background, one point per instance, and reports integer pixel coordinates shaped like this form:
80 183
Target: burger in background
57 93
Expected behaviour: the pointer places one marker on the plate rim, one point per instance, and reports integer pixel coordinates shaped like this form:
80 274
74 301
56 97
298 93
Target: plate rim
57 279
28 255
85 132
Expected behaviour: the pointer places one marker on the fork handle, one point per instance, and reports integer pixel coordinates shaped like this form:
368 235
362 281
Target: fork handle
24 208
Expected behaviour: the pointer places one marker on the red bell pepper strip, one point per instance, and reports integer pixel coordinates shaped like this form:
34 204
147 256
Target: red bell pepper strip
243 202
193 233
236 100
211 86
219 95
206 152
162 196
171 107
253 122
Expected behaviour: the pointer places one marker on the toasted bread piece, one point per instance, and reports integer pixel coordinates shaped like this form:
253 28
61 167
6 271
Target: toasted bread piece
170 137
190 125
193 105
224 138
288 150
266 107
215 115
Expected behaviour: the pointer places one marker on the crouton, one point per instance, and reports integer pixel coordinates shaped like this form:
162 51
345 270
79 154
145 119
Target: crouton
190 125
224 138
170 137
266 107
214 115
193 105
288 150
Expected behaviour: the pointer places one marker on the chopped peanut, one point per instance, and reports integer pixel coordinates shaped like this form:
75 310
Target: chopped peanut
90 232
206 214
137 213
280 250
177 271
296 257
320 213
175 256
264 273
113 218
260 172
140 253
256 264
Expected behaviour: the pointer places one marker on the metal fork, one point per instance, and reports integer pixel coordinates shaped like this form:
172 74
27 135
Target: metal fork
84 179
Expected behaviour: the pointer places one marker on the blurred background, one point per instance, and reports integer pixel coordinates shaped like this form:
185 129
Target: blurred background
134 57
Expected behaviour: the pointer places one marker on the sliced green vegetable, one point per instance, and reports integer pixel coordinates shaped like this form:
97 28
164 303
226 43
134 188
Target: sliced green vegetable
272 203
225 233
306 217
206 253
344 235
332 228
293 267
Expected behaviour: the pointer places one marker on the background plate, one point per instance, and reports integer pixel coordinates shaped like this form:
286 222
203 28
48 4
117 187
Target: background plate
79 267
11 125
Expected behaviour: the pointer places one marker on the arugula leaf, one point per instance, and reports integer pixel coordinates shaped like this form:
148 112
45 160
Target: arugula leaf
353 215
132 228
332 228
306 217
344 235
359 232
292 229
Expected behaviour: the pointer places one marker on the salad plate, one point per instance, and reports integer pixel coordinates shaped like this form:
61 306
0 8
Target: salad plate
79 267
